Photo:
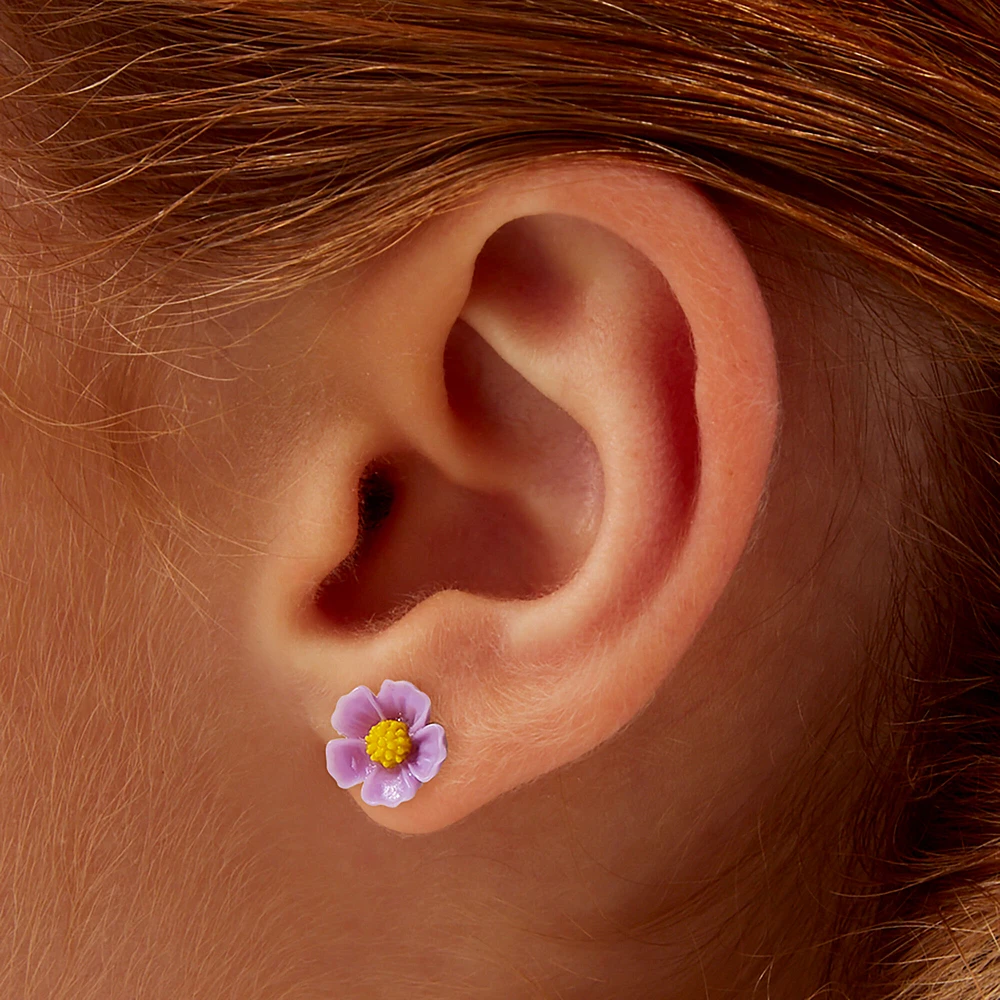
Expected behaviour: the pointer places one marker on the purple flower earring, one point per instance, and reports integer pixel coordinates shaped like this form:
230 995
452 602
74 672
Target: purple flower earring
389 745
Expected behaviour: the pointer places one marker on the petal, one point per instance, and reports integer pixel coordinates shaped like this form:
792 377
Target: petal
388 786
403 700
347 762
356 712
429 751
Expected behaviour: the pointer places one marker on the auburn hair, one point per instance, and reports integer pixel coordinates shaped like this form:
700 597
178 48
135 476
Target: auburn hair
260 143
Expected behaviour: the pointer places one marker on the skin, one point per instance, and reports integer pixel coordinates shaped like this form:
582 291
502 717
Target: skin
662 590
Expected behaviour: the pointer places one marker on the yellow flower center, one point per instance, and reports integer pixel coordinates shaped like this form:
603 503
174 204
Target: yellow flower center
388 742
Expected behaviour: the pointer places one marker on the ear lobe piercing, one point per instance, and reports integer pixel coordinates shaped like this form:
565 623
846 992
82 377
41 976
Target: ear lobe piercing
390 748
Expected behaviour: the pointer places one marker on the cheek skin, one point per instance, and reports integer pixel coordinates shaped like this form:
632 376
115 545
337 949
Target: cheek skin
140 808
146 811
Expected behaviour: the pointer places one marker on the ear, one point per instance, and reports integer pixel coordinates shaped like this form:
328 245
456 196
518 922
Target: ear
556 409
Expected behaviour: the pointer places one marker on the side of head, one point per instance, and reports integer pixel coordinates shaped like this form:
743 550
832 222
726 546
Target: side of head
648 442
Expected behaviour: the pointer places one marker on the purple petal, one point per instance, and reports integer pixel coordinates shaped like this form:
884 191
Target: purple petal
429 751
388 786
356 712
403 700
348 763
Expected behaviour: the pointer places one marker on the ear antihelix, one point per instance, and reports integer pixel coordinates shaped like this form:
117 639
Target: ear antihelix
420 531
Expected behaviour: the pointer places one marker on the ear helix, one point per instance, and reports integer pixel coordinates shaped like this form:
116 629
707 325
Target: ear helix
389 748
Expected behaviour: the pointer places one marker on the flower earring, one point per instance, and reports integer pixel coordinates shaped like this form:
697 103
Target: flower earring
389 745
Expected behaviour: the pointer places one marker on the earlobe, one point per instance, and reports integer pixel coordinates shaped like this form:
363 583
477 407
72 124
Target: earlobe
574 419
